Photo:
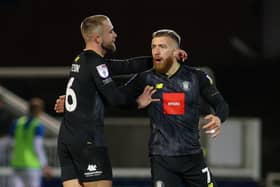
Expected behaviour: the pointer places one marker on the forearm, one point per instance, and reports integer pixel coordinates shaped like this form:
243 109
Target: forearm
119 98
39 149
222 112
213 97
220 106
5 142
131 65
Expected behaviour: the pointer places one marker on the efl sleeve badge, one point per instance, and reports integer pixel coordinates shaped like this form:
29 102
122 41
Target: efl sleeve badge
102 70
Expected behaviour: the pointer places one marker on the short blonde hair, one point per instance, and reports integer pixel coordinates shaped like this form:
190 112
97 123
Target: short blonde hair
92 24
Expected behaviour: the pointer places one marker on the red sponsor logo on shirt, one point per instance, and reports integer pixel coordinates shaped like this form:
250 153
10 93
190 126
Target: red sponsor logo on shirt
174 103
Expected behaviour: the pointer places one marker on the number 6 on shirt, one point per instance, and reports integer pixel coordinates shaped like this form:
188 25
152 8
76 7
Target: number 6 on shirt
70 107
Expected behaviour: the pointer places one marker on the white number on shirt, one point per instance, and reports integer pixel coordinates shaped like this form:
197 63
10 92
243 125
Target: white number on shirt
206 170
70 94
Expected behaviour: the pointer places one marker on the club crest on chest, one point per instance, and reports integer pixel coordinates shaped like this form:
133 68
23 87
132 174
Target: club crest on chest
186 85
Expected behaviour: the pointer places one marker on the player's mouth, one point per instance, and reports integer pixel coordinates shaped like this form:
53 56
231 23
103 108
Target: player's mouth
157 60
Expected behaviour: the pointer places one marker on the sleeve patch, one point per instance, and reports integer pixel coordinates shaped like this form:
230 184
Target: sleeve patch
102 70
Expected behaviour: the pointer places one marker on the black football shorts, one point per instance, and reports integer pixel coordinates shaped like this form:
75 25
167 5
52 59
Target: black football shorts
181 171
86 163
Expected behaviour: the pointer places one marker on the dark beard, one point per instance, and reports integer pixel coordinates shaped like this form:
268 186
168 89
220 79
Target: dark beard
165 66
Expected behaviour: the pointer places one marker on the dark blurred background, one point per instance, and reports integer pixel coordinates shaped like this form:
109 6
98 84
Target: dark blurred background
238 39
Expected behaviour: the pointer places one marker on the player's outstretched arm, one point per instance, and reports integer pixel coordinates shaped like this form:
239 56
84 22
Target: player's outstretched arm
129 66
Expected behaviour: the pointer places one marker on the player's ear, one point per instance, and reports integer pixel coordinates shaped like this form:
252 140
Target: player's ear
97 38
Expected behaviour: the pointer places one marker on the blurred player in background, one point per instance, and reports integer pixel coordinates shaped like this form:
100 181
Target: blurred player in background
28 159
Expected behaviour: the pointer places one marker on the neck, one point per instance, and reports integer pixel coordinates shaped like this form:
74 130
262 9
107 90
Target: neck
173 69
96 48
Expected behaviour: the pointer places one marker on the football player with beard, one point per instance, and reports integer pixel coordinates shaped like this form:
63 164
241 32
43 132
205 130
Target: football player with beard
174 147
175 150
